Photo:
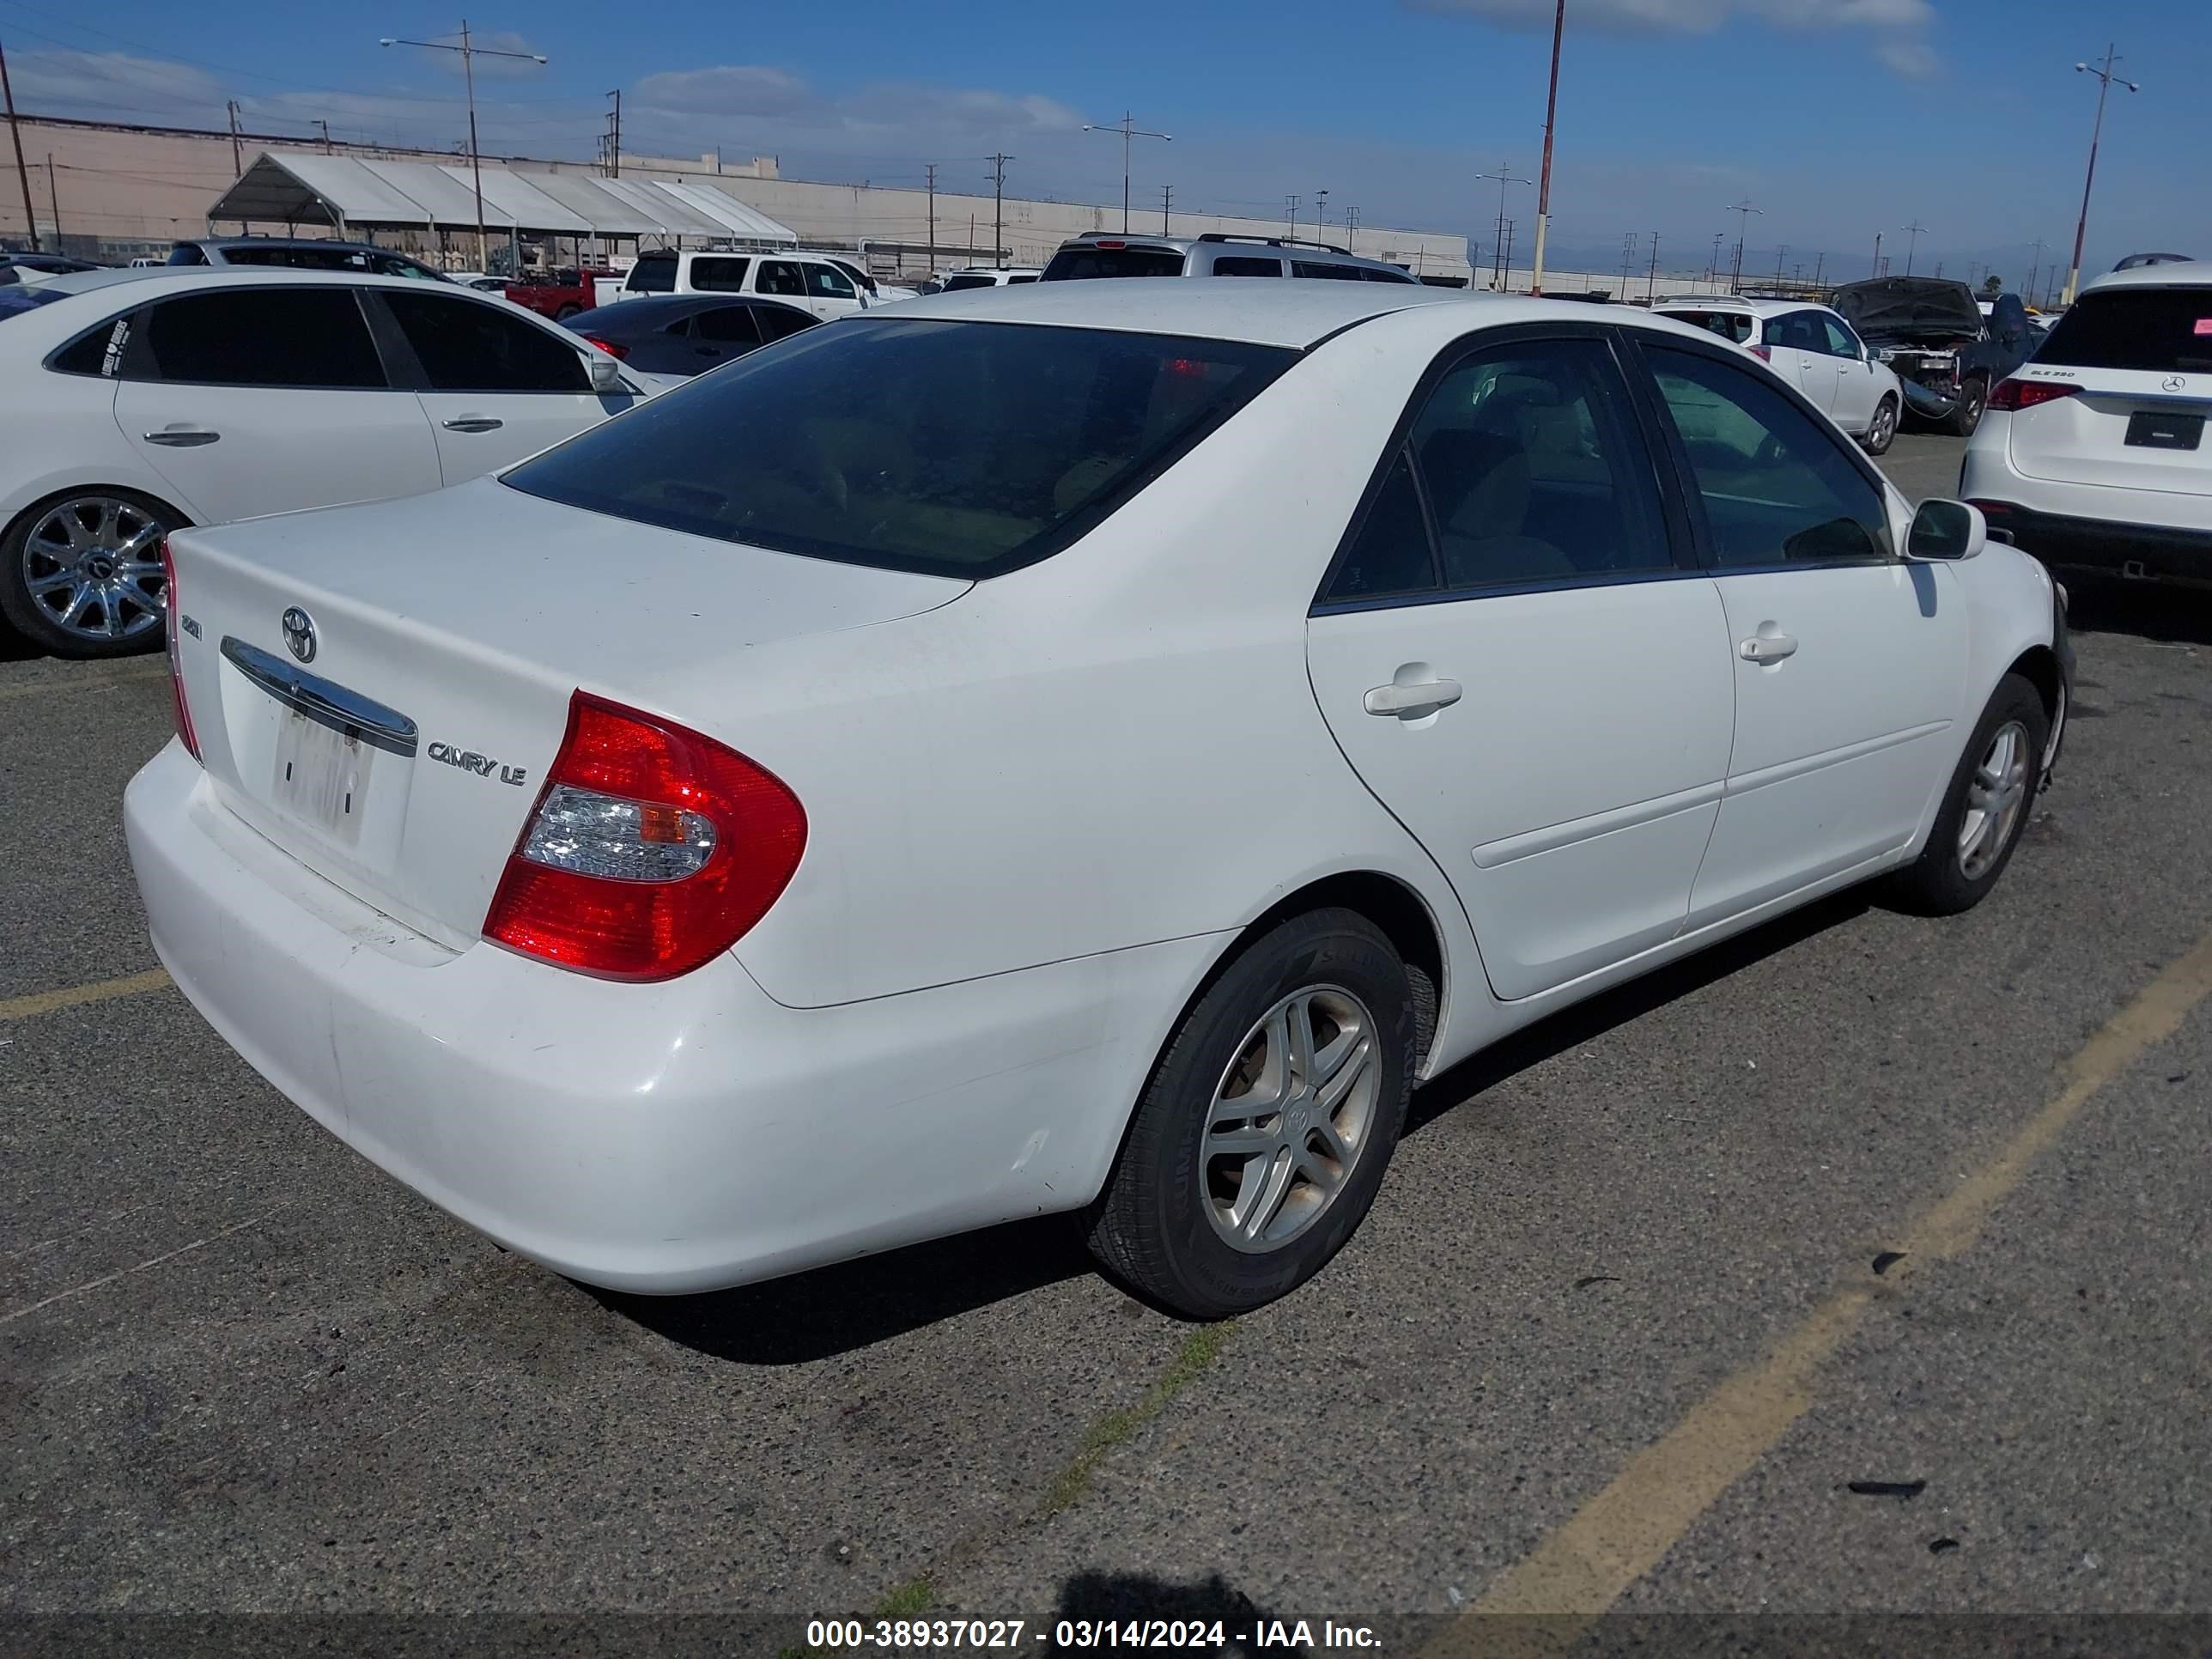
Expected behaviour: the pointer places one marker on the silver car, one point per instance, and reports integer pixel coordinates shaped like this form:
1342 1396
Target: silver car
1105 253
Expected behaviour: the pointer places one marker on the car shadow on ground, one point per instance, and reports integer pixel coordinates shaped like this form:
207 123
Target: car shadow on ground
2151 610
1571 1027
834 1310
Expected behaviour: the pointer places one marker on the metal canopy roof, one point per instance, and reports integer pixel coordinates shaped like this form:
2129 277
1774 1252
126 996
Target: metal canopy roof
349 193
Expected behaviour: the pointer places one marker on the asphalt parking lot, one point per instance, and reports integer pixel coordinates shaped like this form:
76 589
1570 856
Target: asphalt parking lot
1862 1266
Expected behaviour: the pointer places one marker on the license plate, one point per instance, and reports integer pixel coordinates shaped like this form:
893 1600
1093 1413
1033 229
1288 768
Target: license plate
321 776
2152 428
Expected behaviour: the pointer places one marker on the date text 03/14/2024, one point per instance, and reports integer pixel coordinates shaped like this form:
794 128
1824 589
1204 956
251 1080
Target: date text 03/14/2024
895 1635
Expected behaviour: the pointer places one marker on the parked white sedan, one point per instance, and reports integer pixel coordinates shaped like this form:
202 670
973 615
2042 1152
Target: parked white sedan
1813 349
788 823
135 401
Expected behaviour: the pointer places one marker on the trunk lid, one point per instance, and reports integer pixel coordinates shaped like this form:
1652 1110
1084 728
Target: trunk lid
380 689
2139 358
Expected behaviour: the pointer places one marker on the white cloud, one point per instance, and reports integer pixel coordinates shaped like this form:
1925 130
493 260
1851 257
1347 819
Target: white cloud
731 89
113 86
1915 60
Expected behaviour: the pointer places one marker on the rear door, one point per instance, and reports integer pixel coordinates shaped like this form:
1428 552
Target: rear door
1800 355
829 291
496 385
780 279
253 399
2135 365
1857 388
1848 664
1509 652
721 334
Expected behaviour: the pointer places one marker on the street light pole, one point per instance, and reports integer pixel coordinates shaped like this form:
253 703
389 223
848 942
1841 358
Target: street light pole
1544 189
469 53
1127 127
1743 229
2105 79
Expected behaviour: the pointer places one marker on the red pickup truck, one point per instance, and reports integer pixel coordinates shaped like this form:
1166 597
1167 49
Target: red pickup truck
559 294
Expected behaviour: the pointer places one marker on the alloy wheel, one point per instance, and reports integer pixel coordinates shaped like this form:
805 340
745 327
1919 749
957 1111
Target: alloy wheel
92 564
1290 1117
1996 793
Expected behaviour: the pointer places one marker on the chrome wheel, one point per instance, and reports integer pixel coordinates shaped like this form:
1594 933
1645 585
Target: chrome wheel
1883 429
1290 1117
1996 793
92 566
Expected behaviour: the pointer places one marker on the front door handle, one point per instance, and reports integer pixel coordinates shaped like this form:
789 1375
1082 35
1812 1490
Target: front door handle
474 423
1768 648
183 437
1411 702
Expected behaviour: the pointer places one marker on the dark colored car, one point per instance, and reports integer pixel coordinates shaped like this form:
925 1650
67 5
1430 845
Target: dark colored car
688 334
301 253
1931 331
42 264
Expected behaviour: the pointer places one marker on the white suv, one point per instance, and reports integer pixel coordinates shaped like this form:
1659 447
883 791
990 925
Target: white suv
809 281
2093 454
1812 349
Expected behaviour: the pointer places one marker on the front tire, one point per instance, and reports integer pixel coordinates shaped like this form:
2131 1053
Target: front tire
80 572
1259 1145
1973 398
1984 809
1882 430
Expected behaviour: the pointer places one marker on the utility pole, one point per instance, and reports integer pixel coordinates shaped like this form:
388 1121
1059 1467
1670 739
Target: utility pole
1508 249
1876 271
2105 79
1743 229
1651 286
1713 264
1939 265
1320 213
929 259
54 200
237 158
1911 247
1352 229
2034 268
1292 204
1544 188
999 210
1780 254
1819 265
469 53
1627 260
23 173
1167 200
326 127
1127 127
1503 179
614 141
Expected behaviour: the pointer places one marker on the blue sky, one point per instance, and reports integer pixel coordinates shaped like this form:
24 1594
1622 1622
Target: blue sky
1840 118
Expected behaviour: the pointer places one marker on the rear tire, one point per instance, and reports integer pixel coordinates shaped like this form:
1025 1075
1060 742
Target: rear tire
80 572
1259 1145
1984 809
1882 430
567 311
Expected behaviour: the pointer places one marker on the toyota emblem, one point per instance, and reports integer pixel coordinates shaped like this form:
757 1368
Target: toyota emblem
299 633
2175 383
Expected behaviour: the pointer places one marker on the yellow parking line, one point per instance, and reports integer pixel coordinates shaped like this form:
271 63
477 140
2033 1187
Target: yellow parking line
46 1002
1613 1540
34 688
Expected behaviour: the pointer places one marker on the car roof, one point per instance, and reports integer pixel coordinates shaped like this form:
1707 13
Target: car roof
2180 273
1749 308
1292 313
340 242
178 278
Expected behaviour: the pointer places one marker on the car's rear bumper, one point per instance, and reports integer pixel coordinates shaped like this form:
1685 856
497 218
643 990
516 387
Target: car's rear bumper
649 1138
2156 551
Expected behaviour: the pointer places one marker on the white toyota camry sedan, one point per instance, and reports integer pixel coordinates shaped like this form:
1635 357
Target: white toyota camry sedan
1086 747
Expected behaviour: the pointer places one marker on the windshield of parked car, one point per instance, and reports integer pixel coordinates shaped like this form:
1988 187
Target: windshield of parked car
838 443
1074 263
2160 330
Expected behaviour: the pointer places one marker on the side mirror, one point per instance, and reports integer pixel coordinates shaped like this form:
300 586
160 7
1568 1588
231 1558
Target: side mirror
606 371
1947 531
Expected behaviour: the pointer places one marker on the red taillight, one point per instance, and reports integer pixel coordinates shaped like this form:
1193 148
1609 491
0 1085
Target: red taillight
177 702
1764 354
607 346
1106 244
2026 394
652 849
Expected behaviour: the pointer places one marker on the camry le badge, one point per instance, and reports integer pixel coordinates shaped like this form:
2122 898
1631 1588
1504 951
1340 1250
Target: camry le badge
299 633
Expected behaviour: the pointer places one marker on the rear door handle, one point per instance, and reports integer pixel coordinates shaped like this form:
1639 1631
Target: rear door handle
473 423
1768 648
1412 701
183 437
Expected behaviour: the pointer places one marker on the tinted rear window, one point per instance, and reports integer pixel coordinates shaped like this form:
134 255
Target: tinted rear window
955 284
2163 331
1735 325
653 274
835 445
1077 263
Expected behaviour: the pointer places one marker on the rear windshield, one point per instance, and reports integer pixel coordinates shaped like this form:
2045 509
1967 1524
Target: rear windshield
958 284
2163 331
836 443
654 273
1072 263
1735 325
